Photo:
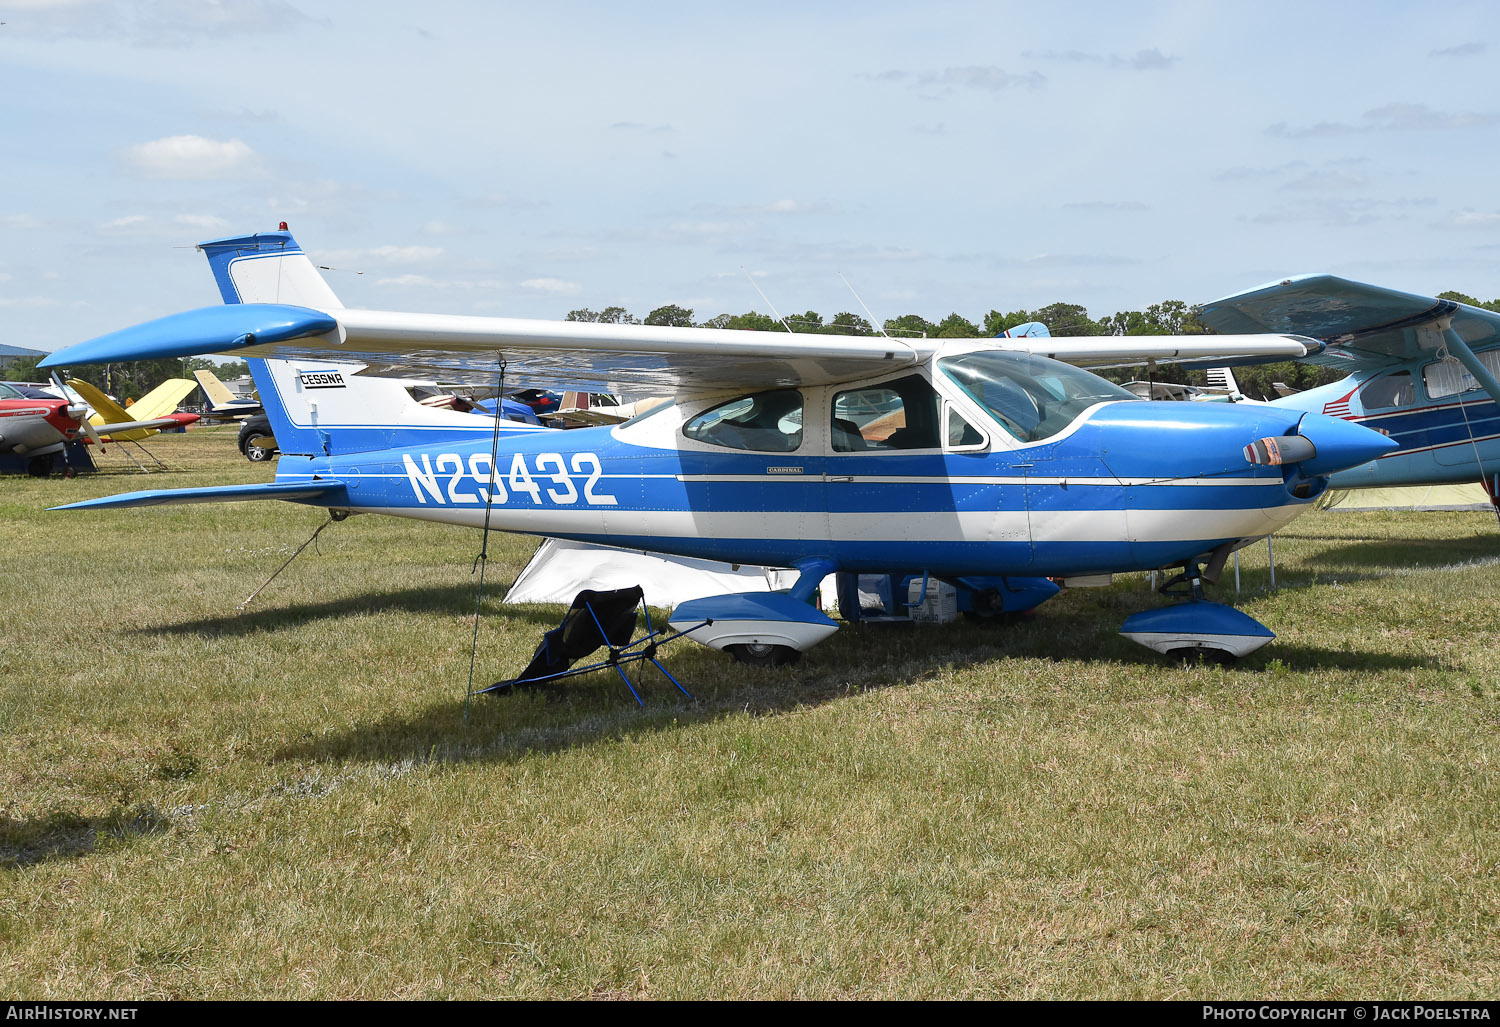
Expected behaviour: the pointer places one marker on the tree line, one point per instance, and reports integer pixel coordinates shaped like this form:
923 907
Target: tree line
130 380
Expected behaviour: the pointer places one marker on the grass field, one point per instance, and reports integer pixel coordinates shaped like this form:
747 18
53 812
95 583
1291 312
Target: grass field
290 803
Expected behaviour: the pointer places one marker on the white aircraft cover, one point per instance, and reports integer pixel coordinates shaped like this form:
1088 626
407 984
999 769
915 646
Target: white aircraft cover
560 569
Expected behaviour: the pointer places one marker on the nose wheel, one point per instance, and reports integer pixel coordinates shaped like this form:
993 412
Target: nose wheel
1202 656
1196 632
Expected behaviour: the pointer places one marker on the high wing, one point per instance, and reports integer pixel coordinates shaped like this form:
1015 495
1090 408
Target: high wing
1103 351
630 360
1364 327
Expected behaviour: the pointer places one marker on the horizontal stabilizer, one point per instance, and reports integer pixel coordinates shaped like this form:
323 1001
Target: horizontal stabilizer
223 329
288 490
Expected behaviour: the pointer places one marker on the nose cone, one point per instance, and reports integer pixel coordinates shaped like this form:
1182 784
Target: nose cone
1340 444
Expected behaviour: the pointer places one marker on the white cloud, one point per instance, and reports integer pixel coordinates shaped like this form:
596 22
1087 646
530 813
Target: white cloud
204 221
198 222
637 126
1108 205
550 285
1143 60
405 281
1393 117
406 254
128 221
191 157
704 229
1472 219
983 77
1328 182
382 255
413 281
151 24
1151 60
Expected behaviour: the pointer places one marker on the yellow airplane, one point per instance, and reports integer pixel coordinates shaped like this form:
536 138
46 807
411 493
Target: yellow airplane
223 404
148 415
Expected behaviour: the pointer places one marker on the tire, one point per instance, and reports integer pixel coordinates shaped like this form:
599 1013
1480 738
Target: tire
256 453
758 654
1202 656
39 467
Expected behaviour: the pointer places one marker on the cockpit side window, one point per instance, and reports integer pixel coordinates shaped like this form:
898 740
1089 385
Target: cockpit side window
962 434
6 392
902 414
767 422
1394 390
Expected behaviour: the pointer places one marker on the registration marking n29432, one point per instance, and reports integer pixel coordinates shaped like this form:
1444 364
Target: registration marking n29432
550 479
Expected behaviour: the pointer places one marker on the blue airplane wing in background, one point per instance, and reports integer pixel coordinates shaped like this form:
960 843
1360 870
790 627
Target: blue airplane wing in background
1365 327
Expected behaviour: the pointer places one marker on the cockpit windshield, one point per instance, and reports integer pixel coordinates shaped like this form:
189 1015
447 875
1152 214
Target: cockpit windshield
1033 398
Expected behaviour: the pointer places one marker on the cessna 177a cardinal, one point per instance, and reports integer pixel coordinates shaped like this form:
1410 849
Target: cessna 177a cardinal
996 465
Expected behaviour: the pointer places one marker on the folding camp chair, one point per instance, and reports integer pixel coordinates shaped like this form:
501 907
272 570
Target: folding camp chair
597 620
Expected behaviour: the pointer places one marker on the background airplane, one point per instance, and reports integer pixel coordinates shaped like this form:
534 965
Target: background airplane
983 463
36 428
219 404
1423 371
145 417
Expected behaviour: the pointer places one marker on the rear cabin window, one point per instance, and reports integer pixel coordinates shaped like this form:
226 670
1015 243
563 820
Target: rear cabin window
768 422
1449 377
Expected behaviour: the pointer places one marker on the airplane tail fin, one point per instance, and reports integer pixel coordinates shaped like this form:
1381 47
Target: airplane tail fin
162 400
215 391
106 410
150 408
268 267
323 407
1222 378
1029 330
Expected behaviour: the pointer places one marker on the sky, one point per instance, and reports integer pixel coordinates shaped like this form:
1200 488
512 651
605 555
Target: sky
526 159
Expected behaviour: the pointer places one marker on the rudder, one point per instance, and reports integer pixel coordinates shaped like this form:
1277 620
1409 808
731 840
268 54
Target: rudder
267 267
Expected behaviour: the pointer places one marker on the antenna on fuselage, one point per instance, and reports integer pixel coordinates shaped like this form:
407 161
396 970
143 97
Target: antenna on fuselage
873 323
767 299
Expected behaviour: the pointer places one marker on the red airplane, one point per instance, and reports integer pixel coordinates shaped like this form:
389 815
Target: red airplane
38 425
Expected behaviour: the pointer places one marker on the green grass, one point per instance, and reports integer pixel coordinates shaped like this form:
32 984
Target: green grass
290 803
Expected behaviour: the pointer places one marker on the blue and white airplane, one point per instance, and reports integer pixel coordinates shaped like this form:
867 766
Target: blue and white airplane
985 463
1423 369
